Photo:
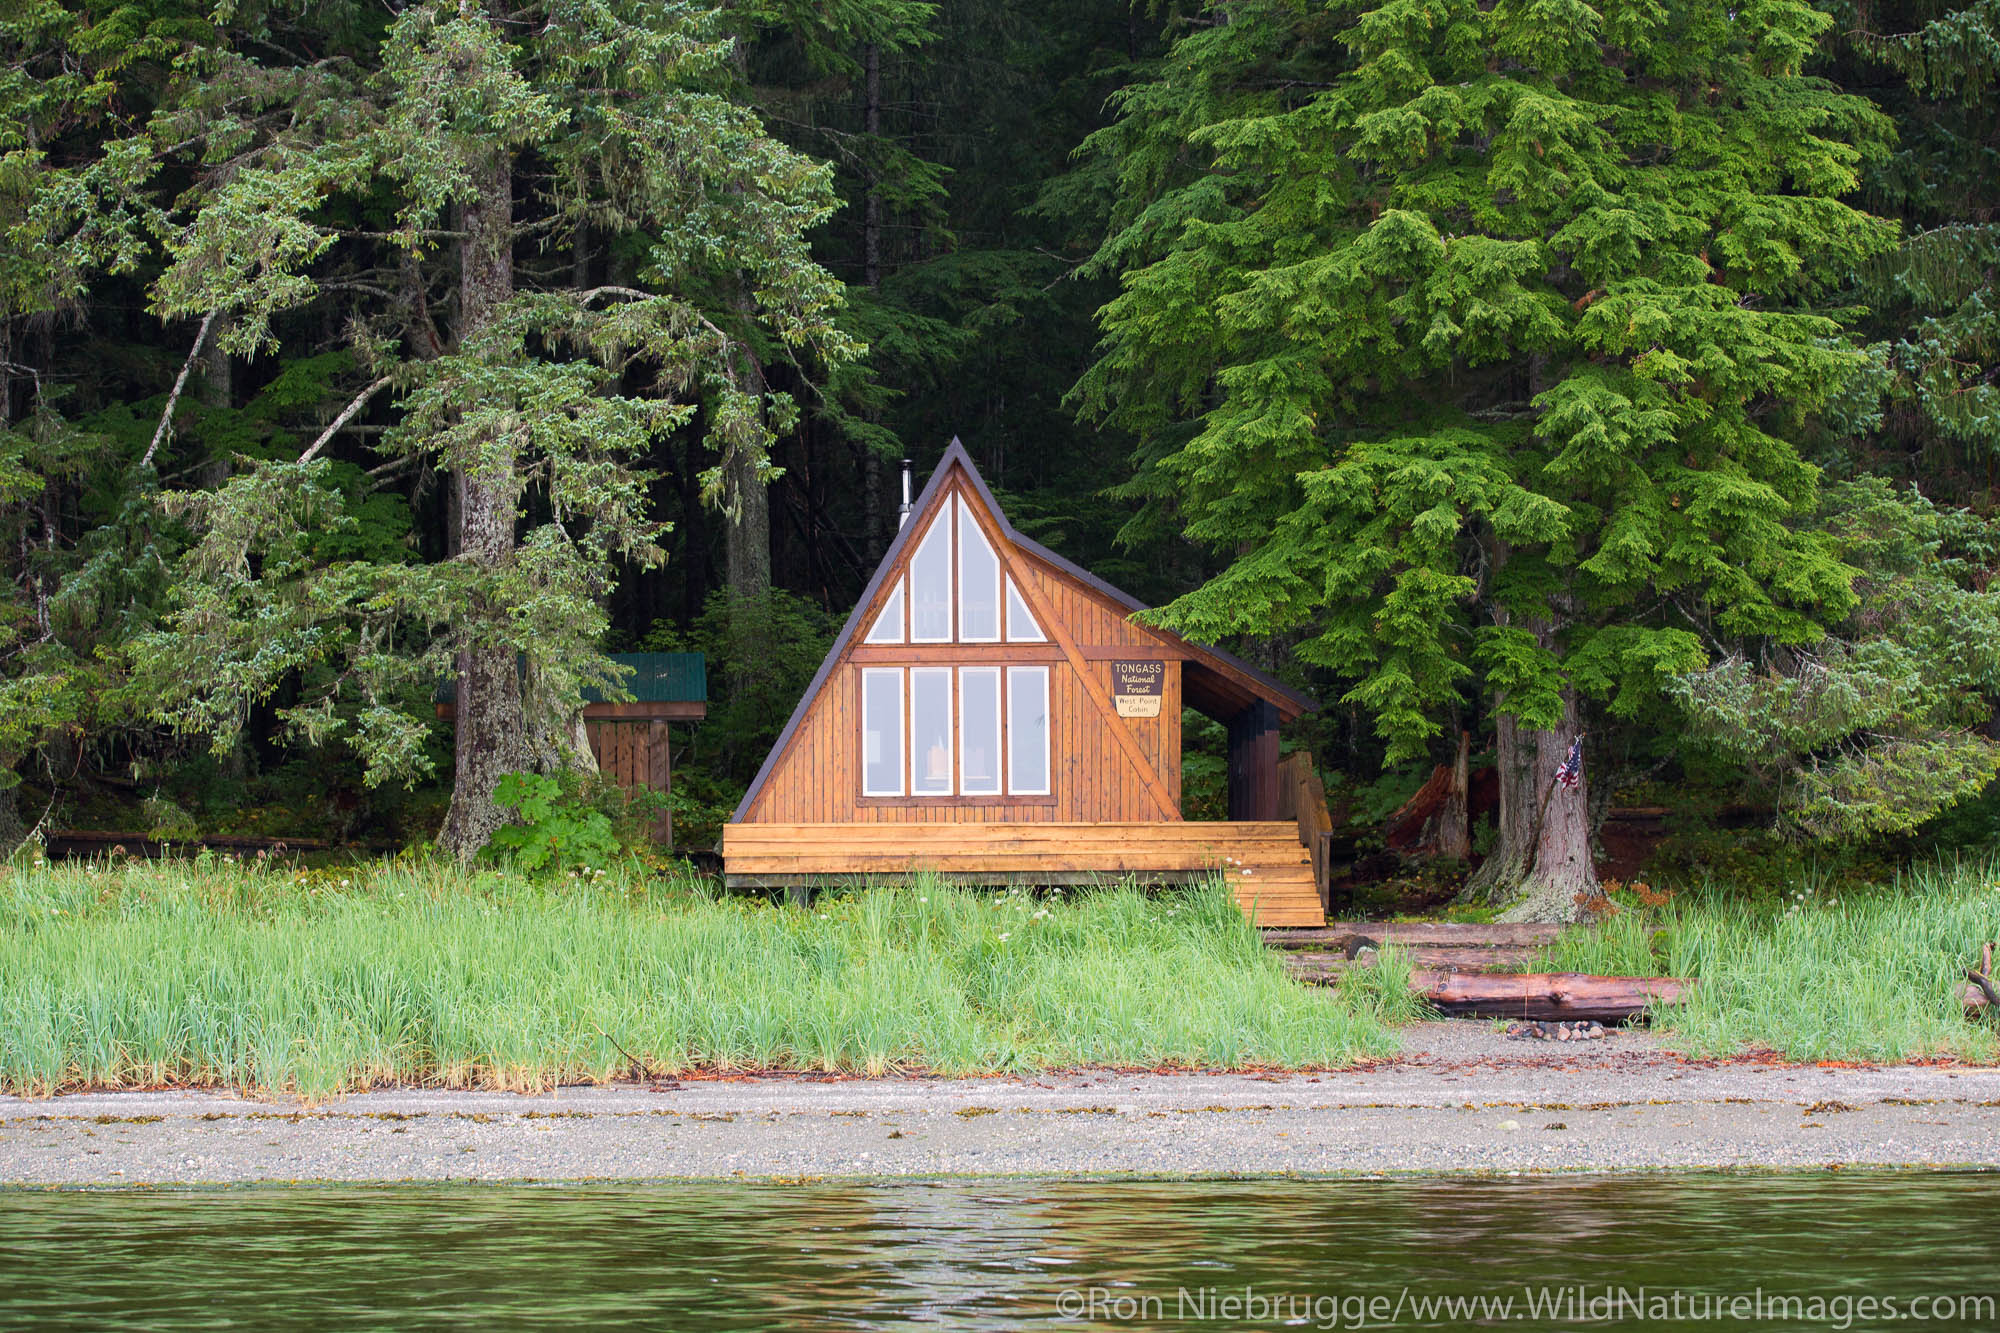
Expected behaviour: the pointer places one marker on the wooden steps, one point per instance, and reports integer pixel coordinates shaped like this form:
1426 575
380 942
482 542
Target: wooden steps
1322 954
1267 868
1474 970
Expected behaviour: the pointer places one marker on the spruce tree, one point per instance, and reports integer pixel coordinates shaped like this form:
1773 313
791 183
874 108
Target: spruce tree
1475 335
1891 718
545 237
1935 67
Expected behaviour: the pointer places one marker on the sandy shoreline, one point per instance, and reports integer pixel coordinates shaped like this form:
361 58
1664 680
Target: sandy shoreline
1460 1099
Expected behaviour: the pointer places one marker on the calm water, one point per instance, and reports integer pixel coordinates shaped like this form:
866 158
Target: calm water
1003 1256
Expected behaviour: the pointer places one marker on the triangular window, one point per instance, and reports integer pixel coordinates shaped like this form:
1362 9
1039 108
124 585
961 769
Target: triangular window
930 582
1021 626
978 581
888 626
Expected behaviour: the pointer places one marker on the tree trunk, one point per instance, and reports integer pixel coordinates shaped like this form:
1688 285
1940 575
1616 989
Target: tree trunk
747 531
554 735
747 541
1454 831
1541 866
872 526
11 828
490 739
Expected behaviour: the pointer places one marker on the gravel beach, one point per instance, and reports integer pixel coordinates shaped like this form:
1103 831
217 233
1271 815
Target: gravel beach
1459 1098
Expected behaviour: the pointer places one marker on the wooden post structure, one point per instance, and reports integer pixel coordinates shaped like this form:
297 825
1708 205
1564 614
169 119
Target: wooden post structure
1253 762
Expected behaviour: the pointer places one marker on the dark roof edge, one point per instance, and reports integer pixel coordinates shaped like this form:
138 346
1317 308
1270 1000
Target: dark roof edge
956 453
848 630
1278 690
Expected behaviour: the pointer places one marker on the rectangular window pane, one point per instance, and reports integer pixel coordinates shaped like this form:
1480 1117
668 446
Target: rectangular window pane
979 731
1028 731
930 731
978 582
882 733
930 583
888 626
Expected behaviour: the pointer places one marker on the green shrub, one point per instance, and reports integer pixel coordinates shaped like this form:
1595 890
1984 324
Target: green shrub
556 831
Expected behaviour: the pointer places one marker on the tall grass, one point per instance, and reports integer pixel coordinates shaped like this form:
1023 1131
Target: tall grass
216 974
1869 974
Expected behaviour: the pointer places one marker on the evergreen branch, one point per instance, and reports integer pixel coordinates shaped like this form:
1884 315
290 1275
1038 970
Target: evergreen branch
420 233
174 398
346 414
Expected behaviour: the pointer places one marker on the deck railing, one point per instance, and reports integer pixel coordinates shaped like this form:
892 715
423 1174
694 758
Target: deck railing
1302 797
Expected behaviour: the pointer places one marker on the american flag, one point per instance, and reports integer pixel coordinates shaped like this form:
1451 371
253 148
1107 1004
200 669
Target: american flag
1571 771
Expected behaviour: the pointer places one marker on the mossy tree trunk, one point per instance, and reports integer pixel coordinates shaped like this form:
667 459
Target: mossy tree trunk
1541 867
491 725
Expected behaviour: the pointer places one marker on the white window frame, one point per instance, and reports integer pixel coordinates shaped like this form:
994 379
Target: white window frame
900 765
1014 787
999 734
894 612
967 519
1031 630
950 737
942 525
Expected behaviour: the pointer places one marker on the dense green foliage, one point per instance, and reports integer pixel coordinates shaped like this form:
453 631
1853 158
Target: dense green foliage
1874 727
1855 971
553 830
1539 370
224 974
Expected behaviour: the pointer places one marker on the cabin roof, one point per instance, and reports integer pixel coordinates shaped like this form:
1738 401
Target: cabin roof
661 678
656 678
1213 682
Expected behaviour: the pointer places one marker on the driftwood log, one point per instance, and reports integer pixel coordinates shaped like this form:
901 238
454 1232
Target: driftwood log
1453 968
1564 995
1347 935
1540 995
1979 993
1332 962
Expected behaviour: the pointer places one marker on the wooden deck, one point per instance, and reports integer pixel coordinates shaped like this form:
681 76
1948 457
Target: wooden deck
1267 867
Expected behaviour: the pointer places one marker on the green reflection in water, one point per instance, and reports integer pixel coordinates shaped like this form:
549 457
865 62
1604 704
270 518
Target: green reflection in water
989 1255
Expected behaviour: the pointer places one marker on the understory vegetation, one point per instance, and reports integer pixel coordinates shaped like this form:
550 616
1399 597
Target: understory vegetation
220 973
223 973
1598 403
1824 971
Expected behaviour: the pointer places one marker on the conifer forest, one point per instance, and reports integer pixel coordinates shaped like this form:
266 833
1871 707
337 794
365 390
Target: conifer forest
1600 399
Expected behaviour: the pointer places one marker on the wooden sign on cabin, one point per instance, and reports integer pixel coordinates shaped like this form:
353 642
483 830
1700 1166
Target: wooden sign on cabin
992 713
1137 687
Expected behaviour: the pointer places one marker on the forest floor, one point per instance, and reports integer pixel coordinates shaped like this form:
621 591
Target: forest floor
1459 1098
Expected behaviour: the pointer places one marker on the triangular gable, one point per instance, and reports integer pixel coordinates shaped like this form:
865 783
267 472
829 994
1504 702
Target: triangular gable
920 605
1233 678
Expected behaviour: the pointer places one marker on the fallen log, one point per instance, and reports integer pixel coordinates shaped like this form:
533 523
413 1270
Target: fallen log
1569 995
1559 995
1979 992
1411 825
1343 935
63 843
1439 959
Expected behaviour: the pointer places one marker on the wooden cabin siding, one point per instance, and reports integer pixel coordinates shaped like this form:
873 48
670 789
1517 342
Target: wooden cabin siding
1113 806
818 779
1266 869
634 752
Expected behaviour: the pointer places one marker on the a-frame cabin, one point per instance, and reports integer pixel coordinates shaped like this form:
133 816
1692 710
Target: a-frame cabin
991 712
